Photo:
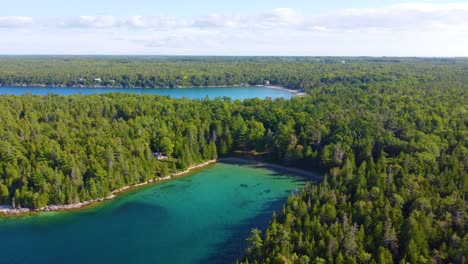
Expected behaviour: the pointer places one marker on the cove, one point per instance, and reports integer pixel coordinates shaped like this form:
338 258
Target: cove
203 217
237 92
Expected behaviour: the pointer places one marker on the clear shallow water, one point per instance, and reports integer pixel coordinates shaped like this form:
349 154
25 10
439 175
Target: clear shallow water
191 93
201 218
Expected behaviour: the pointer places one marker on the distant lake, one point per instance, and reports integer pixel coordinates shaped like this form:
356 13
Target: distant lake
237 92
201 218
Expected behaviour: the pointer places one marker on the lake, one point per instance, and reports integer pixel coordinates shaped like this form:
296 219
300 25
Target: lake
238 92
203 217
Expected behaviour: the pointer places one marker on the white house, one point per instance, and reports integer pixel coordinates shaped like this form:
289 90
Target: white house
159 155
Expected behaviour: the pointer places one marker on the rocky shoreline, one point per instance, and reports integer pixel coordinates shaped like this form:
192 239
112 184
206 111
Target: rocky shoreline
8 210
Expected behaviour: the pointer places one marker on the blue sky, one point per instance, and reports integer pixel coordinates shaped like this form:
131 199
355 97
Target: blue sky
255 27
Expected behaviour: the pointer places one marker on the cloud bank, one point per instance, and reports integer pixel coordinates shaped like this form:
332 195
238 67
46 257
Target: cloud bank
405 17
403 29
396 17
15 21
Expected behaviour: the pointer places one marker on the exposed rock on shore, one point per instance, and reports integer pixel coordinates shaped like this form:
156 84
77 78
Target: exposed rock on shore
9 210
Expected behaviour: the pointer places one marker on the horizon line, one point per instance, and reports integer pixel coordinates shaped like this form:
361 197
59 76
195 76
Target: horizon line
206 55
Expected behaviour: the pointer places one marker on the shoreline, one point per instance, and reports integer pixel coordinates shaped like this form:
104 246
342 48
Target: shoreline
261 164
6 210
298 92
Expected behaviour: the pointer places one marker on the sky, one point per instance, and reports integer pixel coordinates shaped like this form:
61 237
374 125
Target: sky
433 28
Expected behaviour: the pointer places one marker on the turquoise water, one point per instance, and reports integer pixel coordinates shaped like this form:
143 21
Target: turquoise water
191 93
201 218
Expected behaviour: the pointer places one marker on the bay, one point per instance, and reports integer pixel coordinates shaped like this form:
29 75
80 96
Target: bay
204 217
237 92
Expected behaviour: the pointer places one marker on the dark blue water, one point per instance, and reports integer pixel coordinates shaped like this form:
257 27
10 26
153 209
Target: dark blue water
240 92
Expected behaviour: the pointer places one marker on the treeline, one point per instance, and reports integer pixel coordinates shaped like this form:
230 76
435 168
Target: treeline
58 150
395 154
155 72
397 180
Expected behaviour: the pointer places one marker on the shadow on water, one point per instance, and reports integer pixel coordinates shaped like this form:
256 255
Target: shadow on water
279 171
167 186
234 246
149 211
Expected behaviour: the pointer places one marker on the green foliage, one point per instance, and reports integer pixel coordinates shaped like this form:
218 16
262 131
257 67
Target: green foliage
4 194
391 135
396 160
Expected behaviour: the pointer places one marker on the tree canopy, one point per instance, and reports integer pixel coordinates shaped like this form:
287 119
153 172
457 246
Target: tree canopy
390 135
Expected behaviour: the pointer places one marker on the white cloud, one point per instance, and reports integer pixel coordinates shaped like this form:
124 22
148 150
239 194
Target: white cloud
269 19
279 17
135 22
219 21
15 21
94 22
158 22
402 17
396 30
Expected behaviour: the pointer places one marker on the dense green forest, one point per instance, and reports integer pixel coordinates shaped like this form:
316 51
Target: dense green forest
391 137
173 71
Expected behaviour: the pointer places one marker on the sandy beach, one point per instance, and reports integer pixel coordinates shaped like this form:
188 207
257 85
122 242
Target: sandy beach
299 92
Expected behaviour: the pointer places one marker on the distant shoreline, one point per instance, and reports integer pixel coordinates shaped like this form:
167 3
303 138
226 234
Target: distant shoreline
6 210
298 92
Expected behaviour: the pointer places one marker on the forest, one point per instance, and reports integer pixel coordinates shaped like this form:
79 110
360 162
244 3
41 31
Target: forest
189 71
390 135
